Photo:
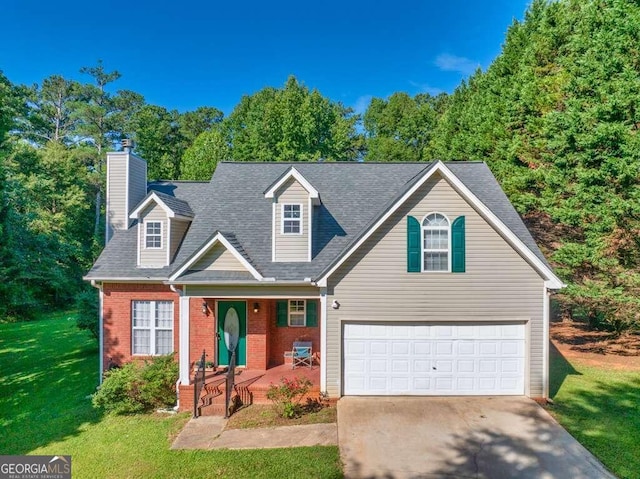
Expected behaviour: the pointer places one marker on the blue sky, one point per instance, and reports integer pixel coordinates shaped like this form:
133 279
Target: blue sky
195 53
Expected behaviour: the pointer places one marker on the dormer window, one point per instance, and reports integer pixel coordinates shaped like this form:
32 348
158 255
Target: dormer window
291 219
153 235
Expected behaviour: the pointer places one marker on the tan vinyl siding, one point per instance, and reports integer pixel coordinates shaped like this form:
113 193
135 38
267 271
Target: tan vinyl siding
178 230
116 193
258 291
292 247
153 257
137 181
126 188
373 284
218 258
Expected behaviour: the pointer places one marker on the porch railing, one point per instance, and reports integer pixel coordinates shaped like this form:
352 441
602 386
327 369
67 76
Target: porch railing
231 373
198 383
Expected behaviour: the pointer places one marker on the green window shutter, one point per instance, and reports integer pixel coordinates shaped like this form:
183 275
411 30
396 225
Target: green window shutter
312 313
458 249
282 313
413 245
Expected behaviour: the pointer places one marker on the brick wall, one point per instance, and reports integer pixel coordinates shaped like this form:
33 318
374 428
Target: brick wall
117 317
202 333
266 343
282 338
258 334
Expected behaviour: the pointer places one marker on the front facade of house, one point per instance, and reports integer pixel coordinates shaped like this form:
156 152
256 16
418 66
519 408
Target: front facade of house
408 279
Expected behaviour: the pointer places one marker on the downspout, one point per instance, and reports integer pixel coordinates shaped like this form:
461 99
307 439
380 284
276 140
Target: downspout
100 328
546 317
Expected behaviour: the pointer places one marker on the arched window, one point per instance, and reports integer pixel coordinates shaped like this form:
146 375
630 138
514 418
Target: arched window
435 242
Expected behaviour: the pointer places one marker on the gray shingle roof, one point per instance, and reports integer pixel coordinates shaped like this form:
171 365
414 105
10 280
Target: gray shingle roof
178 206
354 196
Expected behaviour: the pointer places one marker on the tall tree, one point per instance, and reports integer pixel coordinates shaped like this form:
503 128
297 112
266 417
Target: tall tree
200 160
292 123
102 117
163 136
556 116
50 115
400 128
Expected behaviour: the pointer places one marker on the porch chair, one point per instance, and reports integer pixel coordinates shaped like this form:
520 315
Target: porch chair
302 354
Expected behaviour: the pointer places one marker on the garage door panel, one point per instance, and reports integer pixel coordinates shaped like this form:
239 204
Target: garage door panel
401 348
378 348
444 348
422 348
434 359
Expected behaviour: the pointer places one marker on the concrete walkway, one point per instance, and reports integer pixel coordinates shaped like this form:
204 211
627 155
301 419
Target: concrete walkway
207 432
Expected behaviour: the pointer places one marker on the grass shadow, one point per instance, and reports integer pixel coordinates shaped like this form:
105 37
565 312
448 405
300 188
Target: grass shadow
48 370
559 369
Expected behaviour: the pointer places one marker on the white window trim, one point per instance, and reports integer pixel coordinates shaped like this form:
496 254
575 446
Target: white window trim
146 234
282 219
303 312
423 250
152 326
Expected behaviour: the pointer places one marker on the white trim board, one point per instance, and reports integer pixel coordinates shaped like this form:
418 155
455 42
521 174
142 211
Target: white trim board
218 238
135 214
551 280
293 173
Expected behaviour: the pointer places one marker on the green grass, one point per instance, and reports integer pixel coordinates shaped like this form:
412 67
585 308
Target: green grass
47 371
601 408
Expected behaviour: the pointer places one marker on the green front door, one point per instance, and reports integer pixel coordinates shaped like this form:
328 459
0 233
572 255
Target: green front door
232 325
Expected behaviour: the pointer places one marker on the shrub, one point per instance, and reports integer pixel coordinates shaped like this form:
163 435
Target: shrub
287 395
136 388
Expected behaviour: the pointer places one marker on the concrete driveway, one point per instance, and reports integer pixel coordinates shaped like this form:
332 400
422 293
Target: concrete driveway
461 437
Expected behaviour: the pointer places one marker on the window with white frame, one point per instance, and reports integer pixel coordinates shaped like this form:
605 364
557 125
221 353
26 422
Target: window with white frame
435 243
291 219
152 327
153 234
297 312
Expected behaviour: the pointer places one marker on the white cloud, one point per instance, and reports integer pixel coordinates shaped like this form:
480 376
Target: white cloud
361 104
453 63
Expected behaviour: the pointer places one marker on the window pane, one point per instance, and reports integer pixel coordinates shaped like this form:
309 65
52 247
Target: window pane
154 228
436 239
292 211
291 226
296 319
296 305
435 220
436 261
142 314
164 314
141 341
164 342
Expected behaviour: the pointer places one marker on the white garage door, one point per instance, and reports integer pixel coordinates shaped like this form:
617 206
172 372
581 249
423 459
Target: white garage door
433 359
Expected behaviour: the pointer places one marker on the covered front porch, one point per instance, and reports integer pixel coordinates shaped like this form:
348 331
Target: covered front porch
265 330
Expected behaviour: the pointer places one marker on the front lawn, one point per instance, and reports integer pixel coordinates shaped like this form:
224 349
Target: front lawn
600 407
48 369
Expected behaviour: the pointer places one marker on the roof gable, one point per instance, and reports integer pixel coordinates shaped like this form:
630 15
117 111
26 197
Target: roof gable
292 174
552 280
217 238
173 207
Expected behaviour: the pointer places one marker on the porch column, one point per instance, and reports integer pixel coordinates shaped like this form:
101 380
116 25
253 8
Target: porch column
323 339
183 354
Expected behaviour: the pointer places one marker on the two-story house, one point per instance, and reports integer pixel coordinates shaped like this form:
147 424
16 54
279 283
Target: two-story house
407 278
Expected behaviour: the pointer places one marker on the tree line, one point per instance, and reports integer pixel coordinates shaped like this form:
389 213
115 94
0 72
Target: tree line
555 116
